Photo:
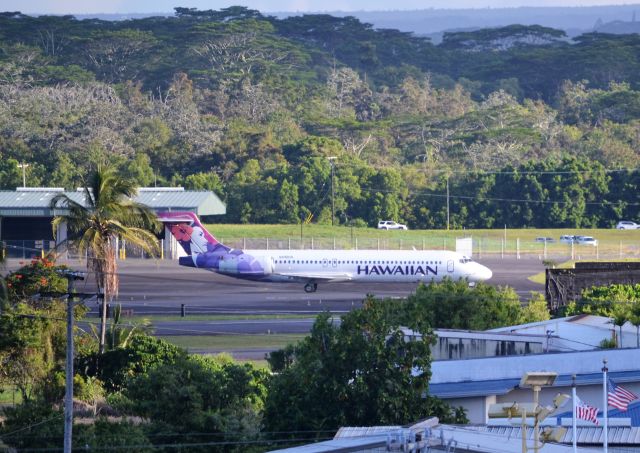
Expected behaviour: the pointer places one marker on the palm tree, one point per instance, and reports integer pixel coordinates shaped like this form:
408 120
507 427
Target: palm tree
619 316
108 214
634 319
119 335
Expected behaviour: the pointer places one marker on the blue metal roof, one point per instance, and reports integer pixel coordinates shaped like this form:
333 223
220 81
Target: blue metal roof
633 413
473 388
468 389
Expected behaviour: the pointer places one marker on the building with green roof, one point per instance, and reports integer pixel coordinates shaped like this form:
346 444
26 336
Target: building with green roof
26 214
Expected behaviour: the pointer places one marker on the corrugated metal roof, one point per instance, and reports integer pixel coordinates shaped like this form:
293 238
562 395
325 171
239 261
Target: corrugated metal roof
37 203
469 389
41 200
532 324
360 431
440 437
203 203
340 445
351 439
617 435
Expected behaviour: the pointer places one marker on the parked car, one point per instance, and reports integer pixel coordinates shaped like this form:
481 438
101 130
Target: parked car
586 240
391 225
567 239
544 239
627 225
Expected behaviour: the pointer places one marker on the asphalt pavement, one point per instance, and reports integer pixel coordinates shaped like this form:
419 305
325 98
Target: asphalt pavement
162 287
158 287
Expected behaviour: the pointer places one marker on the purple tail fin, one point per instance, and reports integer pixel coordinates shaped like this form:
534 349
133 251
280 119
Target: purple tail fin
189 232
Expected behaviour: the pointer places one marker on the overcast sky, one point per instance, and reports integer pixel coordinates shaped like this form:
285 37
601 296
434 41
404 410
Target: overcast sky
149 6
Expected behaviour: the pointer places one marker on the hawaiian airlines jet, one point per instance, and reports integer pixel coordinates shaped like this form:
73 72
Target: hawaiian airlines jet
316 266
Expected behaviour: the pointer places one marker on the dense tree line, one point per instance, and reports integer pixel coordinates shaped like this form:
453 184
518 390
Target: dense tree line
251 106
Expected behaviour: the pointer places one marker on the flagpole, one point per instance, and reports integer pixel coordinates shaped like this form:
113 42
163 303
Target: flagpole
605 406
575 424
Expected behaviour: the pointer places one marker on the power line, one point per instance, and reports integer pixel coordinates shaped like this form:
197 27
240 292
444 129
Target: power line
12 433
187 445
510 200
196 433
580 342
365 165
498 172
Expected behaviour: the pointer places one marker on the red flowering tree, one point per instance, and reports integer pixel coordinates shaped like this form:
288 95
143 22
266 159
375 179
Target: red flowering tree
41 275
32 329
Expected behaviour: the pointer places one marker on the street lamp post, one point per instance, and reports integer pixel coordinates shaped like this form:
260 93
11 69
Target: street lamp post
24 174
333 206
535 380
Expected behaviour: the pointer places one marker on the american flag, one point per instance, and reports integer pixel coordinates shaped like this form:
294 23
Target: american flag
619 397
586 412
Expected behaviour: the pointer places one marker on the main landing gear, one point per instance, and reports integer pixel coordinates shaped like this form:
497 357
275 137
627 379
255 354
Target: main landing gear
310 287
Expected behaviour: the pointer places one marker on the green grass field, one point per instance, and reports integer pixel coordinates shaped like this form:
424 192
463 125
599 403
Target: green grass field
612 243
230 342
161 318
540 277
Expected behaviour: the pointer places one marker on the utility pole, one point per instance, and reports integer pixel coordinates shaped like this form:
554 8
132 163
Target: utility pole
447 203
72 296
68 396
333 206
24 174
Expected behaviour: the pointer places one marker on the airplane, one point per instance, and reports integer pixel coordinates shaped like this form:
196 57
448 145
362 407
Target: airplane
317 266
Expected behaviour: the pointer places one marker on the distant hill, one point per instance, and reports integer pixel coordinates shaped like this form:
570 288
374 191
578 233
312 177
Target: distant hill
432 22
619 28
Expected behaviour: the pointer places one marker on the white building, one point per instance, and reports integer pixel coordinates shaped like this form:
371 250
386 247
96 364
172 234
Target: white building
477 383
577 333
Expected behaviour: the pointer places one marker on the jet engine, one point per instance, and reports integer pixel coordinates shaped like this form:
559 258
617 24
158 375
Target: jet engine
245 264
265 263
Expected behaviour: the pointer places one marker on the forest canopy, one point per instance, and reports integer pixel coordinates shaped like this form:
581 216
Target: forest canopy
250 106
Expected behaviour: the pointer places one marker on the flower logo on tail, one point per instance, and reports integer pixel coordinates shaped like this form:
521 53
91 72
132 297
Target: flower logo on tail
182 232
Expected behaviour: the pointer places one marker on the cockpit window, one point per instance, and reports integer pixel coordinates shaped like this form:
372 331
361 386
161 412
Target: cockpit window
465 259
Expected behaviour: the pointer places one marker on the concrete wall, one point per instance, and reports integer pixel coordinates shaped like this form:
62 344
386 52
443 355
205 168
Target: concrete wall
487 369
476 407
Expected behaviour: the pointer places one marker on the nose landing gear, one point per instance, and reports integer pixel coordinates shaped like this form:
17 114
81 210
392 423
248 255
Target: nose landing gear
310 287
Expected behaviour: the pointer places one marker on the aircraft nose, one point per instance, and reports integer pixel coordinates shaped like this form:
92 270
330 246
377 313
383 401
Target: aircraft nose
482 273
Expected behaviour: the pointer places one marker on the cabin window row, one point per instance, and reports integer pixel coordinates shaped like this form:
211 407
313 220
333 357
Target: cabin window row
356 262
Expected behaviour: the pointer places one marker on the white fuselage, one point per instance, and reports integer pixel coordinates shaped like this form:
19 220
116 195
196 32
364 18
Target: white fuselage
367 265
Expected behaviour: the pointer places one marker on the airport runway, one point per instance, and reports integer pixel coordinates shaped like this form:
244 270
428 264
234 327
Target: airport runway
161 287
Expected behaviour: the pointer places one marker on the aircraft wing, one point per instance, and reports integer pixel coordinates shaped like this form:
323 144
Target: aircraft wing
318 276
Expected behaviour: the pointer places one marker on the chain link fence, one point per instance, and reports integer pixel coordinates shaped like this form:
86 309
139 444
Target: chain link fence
483 247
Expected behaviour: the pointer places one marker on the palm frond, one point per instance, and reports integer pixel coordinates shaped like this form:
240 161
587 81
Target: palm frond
108 214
